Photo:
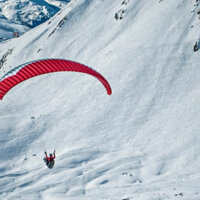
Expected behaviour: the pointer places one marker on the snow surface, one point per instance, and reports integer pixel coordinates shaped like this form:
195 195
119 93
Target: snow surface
140 143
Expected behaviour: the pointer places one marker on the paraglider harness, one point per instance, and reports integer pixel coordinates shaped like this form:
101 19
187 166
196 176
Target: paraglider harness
51 157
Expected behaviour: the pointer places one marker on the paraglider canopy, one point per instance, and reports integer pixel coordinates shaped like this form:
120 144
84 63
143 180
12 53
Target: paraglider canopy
39 67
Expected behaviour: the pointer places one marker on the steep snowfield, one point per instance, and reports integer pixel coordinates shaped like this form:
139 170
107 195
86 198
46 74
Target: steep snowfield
141 143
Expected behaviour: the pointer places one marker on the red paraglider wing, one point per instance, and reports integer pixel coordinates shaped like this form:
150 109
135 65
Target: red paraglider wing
35 68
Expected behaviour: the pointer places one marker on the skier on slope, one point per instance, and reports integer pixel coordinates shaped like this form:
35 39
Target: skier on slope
50 160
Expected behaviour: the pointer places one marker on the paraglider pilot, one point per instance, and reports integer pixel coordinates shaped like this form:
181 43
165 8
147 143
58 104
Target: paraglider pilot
50 160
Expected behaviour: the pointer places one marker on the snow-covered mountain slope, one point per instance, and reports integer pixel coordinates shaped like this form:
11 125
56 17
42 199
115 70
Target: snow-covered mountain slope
29 13
142 142
8 28
21 15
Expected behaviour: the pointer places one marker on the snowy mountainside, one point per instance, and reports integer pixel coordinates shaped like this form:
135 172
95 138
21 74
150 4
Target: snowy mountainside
140 143
7 28
21 15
